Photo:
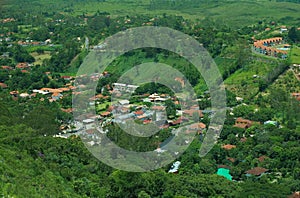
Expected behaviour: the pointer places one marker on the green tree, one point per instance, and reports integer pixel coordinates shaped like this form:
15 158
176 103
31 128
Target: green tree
170 108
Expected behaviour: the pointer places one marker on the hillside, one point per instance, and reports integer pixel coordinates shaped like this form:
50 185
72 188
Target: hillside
233 13
78 119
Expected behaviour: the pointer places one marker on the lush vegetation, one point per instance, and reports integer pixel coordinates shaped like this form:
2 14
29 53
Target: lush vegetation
50 36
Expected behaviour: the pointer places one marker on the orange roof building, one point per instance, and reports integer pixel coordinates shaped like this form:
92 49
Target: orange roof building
22 65
190 112
243 123
105 114
266 47
296 95
228 147
3 85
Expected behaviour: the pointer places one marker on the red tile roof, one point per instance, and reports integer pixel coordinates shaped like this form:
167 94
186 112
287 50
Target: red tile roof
24 71
295 195
22 65
260 44
224 166
243 123
257 171
262 158
228 147
139 113
110 108
14 92
147 121
199 125
52 90
6 67
3 85
158 108
231 159
64 89
190 112
69 110
105 114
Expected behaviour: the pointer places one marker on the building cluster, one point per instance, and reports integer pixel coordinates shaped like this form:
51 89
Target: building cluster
269 47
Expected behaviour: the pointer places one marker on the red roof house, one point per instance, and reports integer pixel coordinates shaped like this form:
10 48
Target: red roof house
256 171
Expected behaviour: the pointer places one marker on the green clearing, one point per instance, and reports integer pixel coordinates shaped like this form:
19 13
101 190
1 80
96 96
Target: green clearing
40 57
31 48
295 55
102 107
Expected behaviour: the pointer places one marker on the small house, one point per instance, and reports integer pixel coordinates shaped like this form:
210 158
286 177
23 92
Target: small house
175 167
257 171
243 123
228 146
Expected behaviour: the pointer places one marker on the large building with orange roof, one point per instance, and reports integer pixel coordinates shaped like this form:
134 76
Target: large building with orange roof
267 47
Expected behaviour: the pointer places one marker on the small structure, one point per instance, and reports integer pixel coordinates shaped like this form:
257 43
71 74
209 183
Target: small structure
283 29
191 112
158 108
257 171
262 158
199 127
228 147
105 114
270 122
6 67
296 95
124 102
179 121
88 123
175 167
243 123
56 96
22 65
24 95
295 195
124 87
3 85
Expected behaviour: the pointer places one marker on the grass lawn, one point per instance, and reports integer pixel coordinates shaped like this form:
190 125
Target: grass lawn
102 107
295 55
40 57
31 49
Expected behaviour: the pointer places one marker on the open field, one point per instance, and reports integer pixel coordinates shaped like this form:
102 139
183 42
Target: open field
295 55
234 13
40 57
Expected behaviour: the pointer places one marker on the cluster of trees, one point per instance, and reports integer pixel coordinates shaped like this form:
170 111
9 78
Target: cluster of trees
294 35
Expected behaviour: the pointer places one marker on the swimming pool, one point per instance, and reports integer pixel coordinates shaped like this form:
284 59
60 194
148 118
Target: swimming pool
282 48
